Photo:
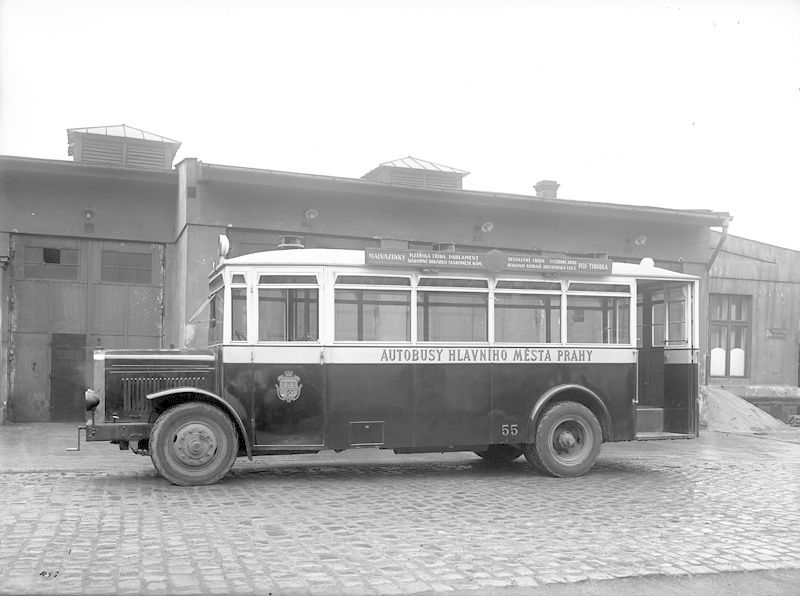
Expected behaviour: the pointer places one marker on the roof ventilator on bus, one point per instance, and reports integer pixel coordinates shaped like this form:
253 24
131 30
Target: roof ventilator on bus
290 242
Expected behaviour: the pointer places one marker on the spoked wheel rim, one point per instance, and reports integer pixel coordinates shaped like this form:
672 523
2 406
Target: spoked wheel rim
570 441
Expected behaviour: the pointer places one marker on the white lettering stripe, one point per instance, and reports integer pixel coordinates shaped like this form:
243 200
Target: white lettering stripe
429 355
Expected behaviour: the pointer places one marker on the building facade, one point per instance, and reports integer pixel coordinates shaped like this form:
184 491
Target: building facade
754 324
114 248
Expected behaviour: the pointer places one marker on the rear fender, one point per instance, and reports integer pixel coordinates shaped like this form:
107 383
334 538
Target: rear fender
179 395
571 392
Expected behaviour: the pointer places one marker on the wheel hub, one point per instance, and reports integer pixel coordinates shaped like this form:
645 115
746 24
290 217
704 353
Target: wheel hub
566 440
194 444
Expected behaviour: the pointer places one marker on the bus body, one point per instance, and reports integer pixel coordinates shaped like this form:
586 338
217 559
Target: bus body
502 355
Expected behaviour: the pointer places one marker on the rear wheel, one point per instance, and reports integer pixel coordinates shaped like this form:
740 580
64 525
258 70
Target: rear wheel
567 441
193 444
499 454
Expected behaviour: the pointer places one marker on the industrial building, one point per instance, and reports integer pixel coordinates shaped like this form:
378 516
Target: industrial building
114 249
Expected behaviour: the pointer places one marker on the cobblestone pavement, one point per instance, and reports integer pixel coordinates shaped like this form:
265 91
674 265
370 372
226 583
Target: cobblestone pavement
371 522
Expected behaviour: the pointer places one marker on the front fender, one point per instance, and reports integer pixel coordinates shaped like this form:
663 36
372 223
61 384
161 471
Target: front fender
232 407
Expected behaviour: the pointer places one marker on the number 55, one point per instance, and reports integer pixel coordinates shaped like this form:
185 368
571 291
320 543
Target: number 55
509 429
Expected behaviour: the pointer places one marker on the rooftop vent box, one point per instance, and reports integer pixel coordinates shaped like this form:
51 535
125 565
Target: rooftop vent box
121 145
411 171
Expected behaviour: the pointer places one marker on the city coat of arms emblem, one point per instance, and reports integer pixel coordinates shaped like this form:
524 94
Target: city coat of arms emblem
289 386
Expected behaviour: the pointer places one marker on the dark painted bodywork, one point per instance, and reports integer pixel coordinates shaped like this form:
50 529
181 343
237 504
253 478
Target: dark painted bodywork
420 407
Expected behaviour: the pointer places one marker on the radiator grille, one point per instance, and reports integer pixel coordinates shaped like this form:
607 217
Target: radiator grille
135 389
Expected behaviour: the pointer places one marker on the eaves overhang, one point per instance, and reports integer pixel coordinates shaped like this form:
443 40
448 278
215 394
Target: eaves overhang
375 191
60 167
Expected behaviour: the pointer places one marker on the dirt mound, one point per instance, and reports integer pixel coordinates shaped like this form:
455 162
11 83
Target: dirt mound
723 411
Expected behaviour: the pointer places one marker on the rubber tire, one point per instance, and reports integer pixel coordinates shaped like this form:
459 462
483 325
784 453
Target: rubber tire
500 454
163 438
541 454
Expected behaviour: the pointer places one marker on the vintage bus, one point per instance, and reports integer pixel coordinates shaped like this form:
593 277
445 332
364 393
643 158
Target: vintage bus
498 354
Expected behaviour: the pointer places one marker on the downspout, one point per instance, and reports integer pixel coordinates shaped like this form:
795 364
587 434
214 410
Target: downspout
709 265
713 258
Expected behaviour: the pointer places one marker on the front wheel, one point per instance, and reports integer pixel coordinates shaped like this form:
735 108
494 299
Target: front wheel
193 444
500 454
567 441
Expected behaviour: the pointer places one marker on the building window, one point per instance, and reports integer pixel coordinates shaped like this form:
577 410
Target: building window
126 267
729 330
51 263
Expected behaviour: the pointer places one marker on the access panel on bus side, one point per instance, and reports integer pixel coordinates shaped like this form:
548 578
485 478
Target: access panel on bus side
370 405
517 388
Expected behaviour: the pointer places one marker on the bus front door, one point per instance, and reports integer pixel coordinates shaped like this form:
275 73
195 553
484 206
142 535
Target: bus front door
289 404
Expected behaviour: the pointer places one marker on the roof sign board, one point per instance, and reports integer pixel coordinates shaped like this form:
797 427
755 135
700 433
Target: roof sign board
494 261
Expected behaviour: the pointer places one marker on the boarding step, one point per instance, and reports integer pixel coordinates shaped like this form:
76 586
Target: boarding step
649 420
658 436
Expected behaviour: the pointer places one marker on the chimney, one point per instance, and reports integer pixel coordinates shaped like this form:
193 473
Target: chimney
546 189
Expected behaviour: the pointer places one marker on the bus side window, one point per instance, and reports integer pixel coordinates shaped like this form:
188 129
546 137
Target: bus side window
444 314
287 314
598 319
216 308
239 314
527 318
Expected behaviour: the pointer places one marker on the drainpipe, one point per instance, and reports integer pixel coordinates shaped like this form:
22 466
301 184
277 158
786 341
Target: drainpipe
713 258
709 265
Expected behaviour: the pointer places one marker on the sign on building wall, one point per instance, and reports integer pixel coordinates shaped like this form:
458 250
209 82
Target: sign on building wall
494 261
776 333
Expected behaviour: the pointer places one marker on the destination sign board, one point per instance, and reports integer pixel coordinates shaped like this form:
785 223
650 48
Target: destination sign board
494 261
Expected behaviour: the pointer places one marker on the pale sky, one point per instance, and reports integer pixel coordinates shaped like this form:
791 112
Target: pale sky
683 104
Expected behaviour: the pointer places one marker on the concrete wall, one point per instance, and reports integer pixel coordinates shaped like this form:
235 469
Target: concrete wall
120 209
420 220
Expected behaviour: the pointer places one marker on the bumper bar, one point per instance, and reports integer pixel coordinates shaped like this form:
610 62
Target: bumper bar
121 431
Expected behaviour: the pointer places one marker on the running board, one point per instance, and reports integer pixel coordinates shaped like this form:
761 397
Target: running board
660 436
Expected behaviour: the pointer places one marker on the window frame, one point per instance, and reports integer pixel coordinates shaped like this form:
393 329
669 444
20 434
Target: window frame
326 276
530 292
377 288
253 301
486 291
149 254
747 324
630 295
42 245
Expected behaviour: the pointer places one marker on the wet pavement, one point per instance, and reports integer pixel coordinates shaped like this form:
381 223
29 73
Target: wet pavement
371 522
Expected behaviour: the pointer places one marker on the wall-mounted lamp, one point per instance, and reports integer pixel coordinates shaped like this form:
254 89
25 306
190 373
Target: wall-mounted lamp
631 241
88 214
311 214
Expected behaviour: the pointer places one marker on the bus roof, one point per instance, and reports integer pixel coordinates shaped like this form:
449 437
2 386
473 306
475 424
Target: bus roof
346 257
